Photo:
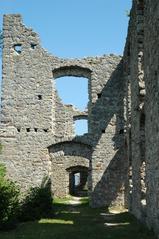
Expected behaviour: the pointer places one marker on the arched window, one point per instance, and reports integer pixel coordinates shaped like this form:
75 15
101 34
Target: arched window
73 85
73 90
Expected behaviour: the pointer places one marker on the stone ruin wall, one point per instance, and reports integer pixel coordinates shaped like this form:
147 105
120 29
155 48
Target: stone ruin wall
141 64
123 125
37 130
134 74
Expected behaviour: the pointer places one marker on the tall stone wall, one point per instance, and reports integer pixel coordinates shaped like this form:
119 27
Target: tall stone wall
37 129
134 73
141 61
151 64
120 149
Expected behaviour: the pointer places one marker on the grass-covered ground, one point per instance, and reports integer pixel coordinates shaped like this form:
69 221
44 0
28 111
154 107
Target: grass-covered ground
80 222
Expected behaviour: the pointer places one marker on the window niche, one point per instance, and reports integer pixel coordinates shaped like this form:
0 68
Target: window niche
72 85
99 95
18 48
73 91
81 126
121 131
46 130
33 46
39 97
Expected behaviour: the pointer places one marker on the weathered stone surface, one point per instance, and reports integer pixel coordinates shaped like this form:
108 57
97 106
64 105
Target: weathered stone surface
38 136
141 60
120 150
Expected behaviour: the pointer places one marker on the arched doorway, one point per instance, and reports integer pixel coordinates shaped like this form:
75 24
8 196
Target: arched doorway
78 181
70 164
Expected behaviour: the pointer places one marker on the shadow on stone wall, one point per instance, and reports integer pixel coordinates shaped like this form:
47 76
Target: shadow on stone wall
104 144
110 108
111 185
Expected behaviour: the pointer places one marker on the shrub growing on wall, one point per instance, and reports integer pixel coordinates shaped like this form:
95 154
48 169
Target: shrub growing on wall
38 203
9 201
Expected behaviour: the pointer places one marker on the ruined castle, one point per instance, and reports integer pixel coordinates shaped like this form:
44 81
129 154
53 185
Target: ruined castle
119 156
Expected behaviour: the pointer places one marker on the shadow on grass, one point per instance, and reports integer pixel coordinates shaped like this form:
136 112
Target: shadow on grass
81 222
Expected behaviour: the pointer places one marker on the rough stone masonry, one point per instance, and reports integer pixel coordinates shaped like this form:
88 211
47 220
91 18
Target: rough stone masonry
141 75
121 149
37 129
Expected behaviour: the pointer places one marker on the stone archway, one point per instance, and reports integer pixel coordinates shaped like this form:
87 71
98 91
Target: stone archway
67 159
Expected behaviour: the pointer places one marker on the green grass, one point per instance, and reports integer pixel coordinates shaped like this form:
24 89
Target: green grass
62 200
80 222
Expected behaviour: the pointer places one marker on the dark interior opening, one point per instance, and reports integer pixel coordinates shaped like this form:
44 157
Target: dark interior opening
28 129
78 185
99 95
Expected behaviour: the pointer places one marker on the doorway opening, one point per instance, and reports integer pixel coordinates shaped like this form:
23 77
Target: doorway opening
78 181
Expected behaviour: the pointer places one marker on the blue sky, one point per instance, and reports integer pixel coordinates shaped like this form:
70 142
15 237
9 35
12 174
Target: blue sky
74 28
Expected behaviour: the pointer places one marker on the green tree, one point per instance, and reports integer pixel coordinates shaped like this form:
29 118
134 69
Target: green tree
9 200
38 203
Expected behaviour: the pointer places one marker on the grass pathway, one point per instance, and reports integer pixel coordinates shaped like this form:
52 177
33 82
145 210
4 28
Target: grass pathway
75 220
